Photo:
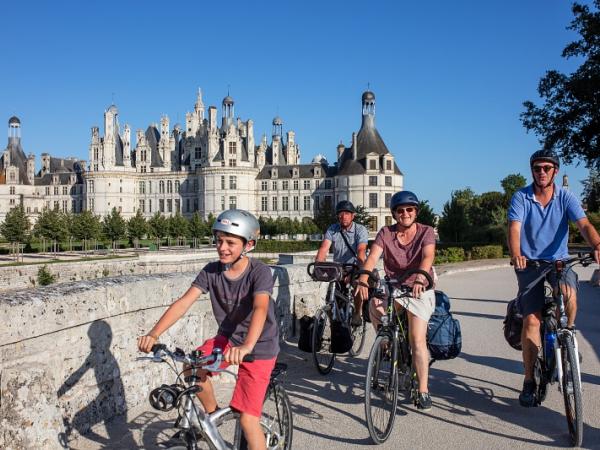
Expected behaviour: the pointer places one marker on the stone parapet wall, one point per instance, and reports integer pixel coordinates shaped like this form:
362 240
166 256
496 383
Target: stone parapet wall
14 278
68 351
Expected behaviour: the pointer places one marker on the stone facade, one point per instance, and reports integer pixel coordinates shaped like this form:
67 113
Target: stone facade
206 167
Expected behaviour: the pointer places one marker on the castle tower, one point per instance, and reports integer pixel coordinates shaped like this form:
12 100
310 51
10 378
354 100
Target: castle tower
111 130
14 130
228 111
165 142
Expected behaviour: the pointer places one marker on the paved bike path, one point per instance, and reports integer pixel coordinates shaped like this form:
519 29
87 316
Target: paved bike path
474 396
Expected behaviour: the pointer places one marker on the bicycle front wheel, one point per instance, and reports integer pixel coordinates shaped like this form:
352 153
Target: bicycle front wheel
276 420
381 389
321 342
571 387
358 338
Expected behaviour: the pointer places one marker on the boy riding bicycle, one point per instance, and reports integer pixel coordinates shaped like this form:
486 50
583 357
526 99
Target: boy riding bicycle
538 229
240 292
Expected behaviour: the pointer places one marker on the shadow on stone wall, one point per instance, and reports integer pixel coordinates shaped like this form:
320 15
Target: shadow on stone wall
285 321
110 401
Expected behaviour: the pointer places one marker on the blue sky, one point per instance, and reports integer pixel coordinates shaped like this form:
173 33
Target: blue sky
449 77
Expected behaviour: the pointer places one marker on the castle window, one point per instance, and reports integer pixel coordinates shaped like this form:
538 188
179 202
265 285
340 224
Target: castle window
95 153
307 203
388 199
274 203
12 190
274 185
198 153
161 188
177 187
12 176
388 220
169 187
55 190
47 190
327 184
91 187
388 181
149 205
232 163
232 202
169 205
222 182
285 185
388 165
232 148
295 173
232 182
306 184
372 164
285 203
373 181
161 205
296 184
373 223
142 206
296 203
91 204
149 187
373 200
263 185
222 203
263 203
177 205
142 188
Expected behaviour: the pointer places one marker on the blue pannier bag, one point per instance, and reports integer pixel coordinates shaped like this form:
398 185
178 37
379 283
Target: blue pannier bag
444 338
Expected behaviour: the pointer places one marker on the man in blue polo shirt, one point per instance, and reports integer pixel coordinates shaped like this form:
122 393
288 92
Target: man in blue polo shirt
349 240
538 228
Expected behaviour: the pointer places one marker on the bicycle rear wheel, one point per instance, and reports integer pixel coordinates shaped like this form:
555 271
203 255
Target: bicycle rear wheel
358 338
571 387
277 420
321 342
381 389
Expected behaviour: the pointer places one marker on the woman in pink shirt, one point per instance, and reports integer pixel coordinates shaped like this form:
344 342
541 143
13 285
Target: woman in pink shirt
406 245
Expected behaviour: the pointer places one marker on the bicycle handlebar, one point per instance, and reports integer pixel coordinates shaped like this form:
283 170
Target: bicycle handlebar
585 259
209 362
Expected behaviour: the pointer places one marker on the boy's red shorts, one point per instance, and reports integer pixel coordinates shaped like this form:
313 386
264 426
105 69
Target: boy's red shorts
252 382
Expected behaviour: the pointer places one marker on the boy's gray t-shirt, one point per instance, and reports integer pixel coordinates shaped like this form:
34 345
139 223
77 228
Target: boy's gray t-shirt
232 302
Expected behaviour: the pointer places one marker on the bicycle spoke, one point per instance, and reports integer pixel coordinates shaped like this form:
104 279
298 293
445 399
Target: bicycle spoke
321 342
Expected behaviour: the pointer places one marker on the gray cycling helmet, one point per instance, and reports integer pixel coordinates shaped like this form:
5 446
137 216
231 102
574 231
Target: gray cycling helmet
545 155
403 198
344 205
239 223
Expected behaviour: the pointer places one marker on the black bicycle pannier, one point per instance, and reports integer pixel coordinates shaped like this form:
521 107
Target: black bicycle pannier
341 337
444 338
307 324
513 324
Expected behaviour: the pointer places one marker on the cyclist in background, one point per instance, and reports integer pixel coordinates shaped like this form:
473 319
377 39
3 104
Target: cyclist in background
349 240
406 245
538 229
240 293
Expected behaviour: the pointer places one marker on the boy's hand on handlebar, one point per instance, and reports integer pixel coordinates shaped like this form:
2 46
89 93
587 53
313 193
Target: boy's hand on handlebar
235 355
520 262
146 342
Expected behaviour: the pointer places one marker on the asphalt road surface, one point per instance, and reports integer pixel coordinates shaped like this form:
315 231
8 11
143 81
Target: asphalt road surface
475 396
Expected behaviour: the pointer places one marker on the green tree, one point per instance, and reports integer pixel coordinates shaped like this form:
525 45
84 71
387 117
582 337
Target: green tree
325 217
114 227
362 215
426 215
454 224
591 191
178 227
158 227
51 225
137 228
198 227
86 226
511 184
16 225
569 119
309 226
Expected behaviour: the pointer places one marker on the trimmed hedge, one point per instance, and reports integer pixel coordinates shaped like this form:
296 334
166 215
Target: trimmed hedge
486 252
450 254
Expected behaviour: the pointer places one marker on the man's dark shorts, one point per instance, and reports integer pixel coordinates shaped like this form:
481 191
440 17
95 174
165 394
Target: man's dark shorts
531 286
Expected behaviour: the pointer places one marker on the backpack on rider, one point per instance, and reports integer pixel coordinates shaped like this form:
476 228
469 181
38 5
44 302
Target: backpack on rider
444 338
513 324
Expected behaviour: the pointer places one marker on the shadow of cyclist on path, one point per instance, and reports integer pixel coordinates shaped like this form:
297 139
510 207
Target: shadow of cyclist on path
479 396
110 400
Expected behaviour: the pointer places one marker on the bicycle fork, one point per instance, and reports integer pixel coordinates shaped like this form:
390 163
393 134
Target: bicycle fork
566 334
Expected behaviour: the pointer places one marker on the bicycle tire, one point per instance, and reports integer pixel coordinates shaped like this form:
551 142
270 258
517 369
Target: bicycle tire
321 342
277 420
541 380
381 389
358 338
571 387
190 441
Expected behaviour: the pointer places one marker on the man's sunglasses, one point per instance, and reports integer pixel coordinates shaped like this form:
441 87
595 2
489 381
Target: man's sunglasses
408 209
546 169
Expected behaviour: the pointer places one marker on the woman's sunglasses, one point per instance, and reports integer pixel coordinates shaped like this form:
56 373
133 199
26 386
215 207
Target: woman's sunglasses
408 209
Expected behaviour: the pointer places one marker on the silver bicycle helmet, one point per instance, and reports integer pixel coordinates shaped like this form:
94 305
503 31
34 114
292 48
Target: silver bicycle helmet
239 223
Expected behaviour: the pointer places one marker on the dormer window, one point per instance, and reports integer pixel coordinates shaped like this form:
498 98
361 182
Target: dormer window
388 165
317 172
372 164
295 172
55 179
273 173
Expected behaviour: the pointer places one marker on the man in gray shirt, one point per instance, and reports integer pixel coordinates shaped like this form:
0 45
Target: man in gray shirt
352 249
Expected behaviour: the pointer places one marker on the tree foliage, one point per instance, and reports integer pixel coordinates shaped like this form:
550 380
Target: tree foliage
511 184
178 226
158 226
114 226
137 227
51 225
591 191
362 215
15 227
198 227
569 119
86 226
426 215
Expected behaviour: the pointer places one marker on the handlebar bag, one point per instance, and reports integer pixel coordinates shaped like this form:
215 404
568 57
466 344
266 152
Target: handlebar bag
444 338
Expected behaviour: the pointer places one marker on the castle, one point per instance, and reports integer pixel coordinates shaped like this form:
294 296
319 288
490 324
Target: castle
205 167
